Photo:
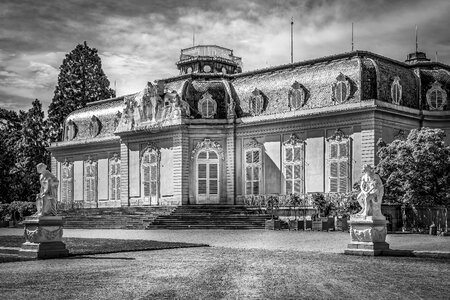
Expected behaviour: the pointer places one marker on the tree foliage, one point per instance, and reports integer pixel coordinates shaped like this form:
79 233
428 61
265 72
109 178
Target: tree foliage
25 139
416 170
81 80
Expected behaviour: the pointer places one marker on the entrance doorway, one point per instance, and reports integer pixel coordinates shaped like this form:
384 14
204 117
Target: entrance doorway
207 177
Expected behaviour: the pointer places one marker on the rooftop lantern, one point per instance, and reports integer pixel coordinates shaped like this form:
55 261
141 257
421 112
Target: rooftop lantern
208 59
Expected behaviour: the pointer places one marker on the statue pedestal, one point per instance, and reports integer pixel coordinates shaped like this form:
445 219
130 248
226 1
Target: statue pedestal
43 238
368 236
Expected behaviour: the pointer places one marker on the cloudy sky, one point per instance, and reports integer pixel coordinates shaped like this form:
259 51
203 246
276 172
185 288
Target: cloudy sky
140 41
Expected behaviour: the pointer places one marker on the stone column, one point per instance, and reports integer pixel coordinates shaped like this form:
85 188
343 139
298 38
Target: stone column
370 133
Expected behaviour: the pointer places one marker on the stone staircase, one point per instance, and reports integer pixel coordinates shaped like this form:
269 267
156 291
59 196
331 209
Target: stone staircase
113 218
211 217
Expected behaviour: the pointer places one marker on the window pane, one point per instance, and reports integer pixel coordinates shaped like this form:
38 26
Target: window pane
333 169
343 166
153 173
145 159
146 170
256 156
248 173
343 182
297 153
153 158
255 173
213 171
439 99
288 186
118 168
153 188
202 186
202 155
146 188
289 172
343 149
255 188
289 154
297 186
202 171
212 155
248 157
333 185
333 150
297 171
113 168
248 189
213 187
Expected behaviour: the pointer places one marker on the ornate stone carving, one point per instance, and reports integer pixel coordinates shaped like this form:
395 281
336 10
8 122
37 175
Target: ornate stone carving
95 126
371 235
115 157
297 96
253 143
43 234
152 147
396 91
207 106
293 140
436 97
71 130
341 89
400 135
47 197
371 195
338 136
207 144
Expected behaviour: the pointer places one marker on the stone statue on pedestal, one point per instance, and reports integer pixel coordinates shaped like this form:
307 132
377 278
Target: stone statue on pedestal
47 197
372 191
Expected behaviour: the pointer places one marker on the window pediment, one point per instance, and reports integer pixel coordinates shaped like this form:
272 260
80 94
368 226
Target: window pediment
207 144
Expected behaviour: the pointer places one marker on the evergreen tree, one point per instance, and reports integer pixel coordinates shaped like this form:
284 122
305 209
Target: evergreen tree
81 80
9 128
31 150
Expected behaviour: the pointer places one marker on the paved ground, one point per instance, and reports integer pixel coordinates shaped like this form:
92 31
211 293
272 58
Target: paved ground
330 242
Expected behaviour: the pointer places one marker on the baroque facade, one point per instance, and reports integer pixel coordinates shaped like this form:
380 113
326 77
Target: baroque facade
212 134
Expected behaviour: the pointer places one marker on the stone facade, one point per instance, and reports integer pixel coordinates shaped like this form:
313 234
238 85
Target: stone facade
219 135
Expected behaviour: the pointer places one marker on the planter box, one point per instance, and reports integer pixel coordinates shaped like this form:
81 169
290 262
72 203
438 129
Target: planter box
331 223
316 225
296 224
308 224
324 223
273 225
344 225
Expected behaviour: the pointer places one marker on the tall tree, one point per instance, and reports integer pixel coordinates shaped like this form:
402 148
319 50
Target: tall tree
416 171
81 80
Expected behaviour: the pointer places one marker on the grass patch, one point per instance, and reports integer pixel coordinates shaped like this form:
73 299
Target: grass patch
80 246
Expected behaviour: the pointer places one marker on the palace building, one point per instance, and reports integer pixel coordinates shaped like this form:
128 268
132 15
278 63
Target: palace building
214 134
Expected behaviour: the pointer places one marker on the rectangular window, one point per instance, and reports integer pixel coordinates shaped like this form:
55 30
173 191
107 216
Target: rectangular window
252 171
339 166
149 169
114 177
90 181
67 183
294 168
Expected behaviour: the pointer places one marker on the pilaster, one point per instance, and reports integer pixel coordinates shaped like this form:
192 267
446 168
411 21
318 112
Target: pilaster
370 133
181 167
124 175
230 165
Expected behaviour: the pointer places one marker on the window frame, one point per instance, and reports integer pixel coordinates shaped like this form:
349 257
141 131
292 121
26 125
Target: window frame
253 146
207 98
91 181
114 177
292 144
337 140
436 87
151 198
396 91
67 183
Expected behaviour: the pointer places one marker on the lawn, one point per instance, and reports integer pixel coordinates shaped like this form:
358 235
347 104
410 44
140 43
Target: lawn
81 246
226 273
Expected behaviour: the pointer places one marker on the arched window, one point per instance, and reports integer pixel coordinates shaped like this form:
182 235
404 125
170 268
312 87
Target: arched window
150 174
90 182
114 177
208 176
293 164
341 89
71 130
396 91
207 106
436 97
256 103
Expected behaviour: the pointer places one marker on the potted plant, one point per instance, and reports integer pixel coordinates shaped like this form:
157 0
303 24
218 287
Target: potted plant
17 210
294 201
320 203
271 206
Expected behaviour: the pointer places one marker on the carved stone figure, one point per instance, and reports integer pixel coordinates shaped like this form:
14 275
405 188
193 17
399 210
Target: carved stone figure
372 191
47 197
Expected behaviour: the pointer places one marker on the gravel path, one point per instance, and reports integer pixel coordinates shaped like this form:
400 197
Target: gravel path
330 242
